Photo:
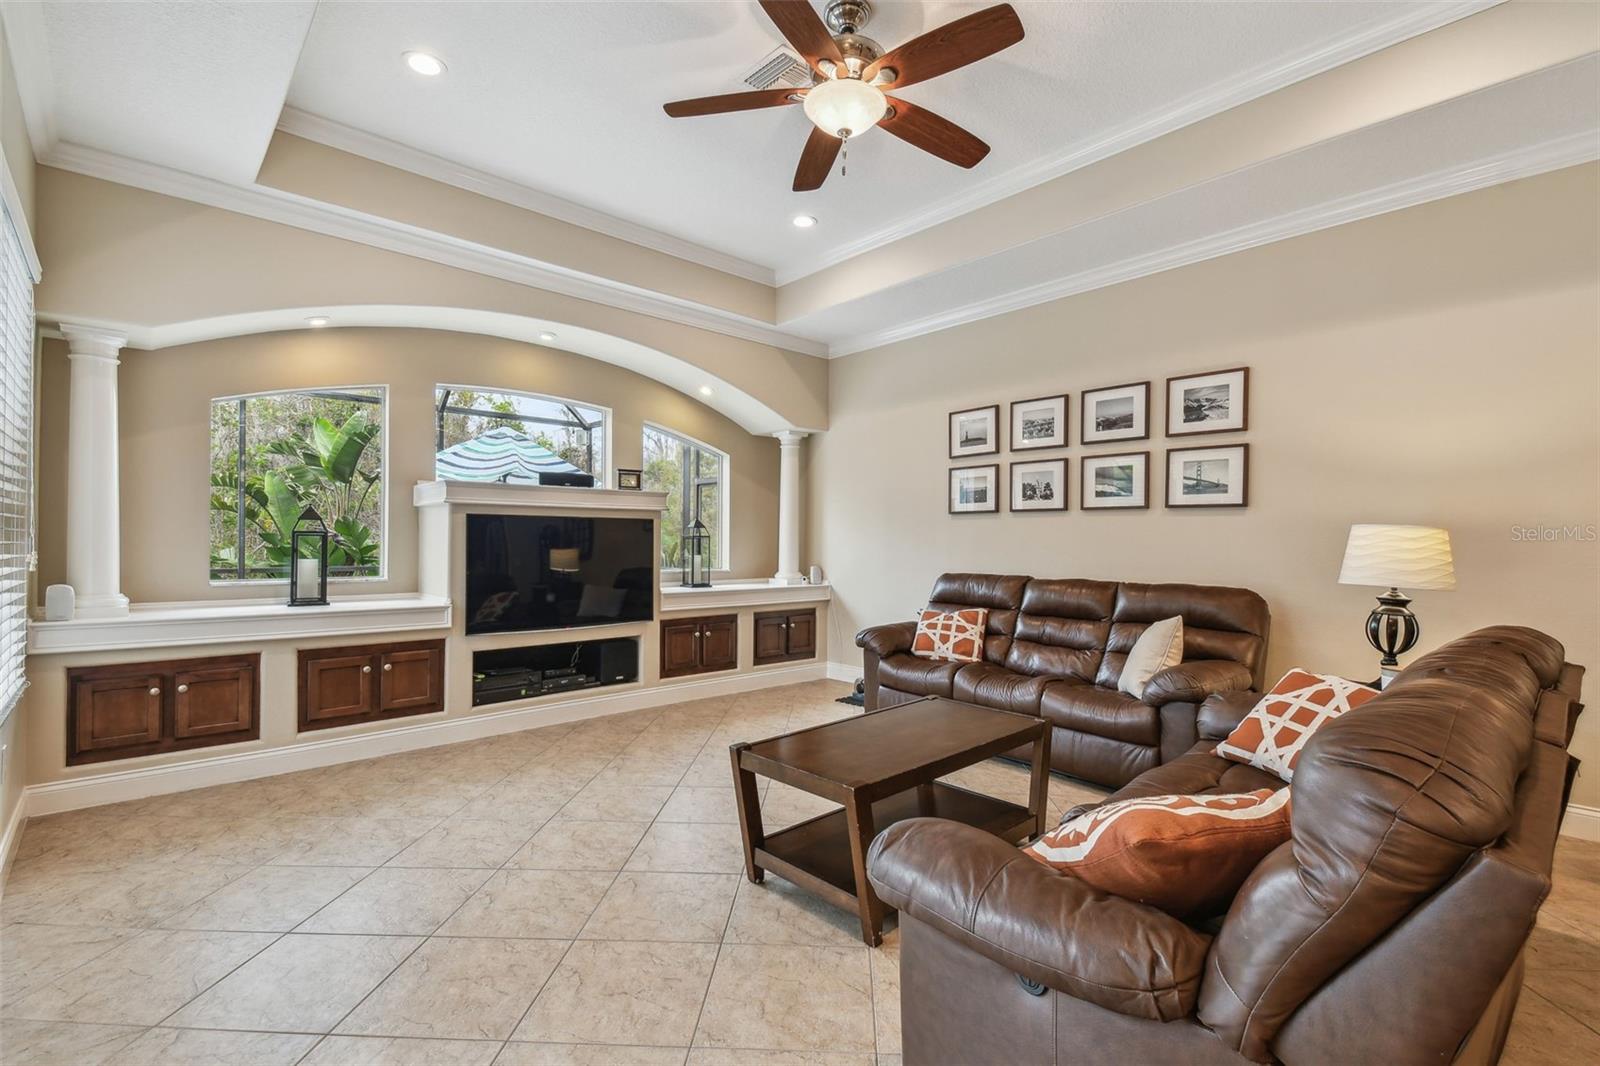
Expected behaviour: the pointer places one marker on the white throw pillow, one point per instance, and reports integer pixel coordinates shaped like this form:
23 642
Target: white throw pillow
1157 648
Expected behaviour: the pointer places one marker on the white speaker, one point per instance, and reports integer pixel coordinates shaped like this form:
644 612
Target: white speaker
60 602
816 574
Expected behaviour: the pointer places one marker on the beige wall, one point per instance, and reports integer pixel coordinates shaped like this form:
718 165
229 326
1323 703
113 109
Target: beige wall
1438 366
14 143
165 405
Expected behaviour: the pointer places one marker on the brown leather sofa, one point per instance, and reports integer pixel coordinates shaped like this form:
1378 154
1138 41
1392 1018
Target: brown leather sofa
1389 929
1055 648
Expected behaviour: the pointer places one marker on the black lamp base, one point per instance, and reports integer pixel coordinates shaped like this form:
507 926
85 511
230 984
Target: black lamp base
1391 627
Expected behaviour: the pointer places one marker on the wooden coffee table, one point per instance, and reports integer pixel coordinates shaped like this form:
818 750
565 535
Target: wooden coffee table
883 767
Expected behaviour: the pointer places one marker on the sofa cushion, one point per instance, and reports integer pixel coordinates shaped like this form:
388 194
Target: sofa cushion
1062 628
1001 594
997 687
1102 712
953 636
1275 731
922 677
1187 855
1158 647
1218 623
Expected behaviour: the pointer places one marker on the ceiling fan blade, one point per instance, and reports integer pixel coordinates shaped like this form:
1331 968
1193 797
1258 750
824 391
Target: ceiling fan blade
816 160
717 105
800 25
955 44
935 135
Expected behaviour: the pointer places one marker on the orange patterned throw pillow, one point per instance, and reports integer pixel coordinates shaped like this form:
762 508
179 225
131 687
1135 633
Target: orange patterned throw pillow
1275 731
954 636
1187 855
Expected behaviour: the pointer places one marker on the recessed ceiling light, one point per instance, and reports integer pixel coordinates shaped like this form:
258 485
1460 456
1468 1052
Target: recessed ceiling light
429 66
547 336
805 221
705 390
318 321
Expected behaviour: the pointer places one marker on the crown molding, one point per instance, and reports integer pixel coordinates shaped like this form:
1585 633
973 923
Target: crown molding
333 134
1510 166
289 209
1227 94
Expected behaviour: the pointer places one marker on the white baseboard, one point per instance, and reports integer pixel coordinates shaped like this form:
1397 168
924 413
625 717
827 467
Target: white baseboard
122 785
1581 822
13 834
844 672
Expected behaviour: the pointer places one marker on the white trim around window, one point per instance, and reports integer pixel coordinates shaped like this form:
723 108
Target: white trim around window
670 575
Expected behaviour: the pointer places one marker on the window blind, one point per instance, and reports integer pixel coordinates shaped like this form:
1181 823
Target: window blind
16 463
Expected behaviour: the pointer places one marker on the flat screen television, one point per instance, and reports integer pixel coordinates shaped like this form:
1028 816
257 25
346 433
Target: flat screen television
529 572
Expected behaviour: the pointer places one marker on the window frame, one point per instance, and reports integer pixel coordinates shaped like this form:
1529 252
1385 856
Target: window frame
19 368
723 566
383 487
603 479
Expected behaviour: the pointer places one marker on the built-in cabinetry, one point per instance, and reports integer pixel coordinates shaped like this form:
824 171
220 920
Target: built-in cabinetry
370 682
783 636
699 645
132 709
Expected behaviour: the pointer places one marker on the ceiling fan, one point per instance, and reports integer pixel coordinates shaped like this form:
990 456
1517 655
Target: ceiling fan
850 74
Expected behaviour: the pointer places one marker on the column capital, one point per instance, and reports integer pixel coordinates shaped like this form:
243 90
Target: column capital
789 438
93 341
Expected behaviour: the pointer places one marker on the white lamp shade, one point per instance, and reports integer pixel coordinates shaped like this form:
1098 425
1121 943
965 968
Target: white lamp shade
1402 557
847 104
564 560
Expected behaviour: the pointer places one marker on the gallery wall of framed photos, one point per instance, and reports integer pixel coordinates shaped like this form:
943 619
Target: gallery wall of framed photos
1114 474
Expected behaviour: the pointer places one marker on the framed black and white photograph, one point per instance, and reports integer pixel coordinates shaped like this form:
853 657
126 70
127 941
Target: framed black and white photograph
1040 423
1208 477
1040 485
975 432
1217 402
1119 412
975 489
1115 482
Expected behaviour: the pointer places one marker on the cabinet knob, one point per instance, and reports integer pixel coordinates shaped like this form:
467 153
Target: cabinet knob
155 692
183 688
785 625
387 667
366 669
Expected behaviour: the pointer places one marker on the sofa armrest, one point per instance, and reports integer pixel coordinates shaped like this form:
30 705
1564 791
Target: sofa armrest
884 641
1192 682
987 895
1221 714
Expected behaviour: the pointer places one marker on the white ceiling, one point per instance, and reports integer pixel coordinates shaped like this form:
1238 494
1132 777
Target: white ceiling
565 97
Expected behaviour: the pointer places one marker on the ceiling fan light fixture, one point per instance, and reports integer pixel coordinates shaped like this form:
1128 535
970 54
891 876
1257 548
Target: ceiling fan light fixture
845 107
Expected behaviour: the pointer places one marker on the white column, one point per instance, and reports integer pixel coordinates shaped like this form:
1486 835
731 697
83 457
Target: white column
789 508
94 530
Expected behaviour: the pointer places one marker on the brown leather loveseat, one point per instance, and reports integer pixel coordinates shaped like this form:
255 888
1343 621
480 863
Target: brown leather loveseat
1055 648
1388 929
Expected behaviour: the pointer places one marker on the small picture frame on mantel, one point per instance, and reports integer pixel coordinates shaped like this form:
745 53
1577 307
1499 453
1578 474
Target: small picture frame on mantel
975 431
630 479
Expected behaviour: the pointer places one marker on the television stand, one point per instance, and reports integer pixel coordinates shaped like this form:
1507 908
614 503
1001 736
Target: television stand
506 674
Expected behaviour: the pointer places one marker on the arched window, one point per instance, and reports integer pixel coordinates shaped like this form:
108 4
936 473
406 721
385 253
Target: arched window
694 476
499 435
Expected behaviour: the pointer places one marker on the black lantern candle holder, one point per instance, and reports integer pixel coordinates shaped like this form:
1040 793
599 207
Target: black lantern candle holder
308 560
697 556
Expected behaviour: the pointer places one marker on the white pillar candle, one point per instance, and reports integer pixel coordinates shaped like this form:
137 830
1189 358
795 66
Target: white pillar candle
307 569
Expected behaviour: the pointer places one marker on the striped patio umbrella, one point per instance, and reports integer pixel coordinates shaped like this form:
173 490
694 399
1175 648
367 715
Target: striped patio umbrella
502 454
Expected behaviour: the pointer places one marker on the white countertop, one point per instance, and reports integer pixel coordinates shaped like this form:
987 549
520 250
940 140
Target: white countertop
678 598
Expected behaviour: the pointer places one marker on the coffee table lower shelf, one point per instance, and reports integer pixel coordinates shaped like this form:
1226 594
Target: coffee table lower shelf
815 854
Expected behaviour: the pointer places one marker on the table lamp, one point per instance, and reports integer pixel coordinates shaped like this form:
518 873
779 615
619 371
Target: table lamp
1416 557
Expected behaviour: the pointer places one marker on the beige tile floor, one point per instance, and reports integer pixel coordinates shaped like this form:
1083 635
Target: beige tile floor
566 895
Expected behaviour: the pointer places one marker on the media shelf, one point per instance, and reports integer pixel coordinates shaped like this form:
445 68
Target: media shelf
505 674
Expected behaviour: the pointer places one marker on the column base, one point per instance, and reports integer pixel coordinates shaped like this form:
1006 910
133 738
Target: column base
113 605
787 579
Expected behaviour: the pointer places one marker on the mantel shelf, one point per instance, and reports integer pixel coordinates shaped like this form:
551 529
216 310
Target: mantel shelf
677 599
165 625
534 497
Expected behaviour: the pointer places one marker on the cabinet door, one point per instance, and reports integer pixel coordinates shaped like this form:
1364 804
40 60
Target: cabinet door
411 680
116 712
802 633
772 641
680 647
335 686
213 700
719 642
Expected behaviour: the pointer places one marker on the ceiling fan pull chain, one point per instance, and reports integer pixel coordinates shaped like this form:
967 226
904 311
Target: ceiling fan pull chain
844 154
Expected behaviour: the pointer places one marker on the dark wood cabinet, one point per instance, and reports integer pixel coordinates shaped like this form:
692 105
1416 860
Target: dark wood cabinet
131 709
699 645
343 686
783 636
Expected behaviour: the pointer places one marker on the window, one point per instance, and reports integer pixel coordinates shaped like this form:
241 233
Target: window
275 454
687 470
483 435
16 461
